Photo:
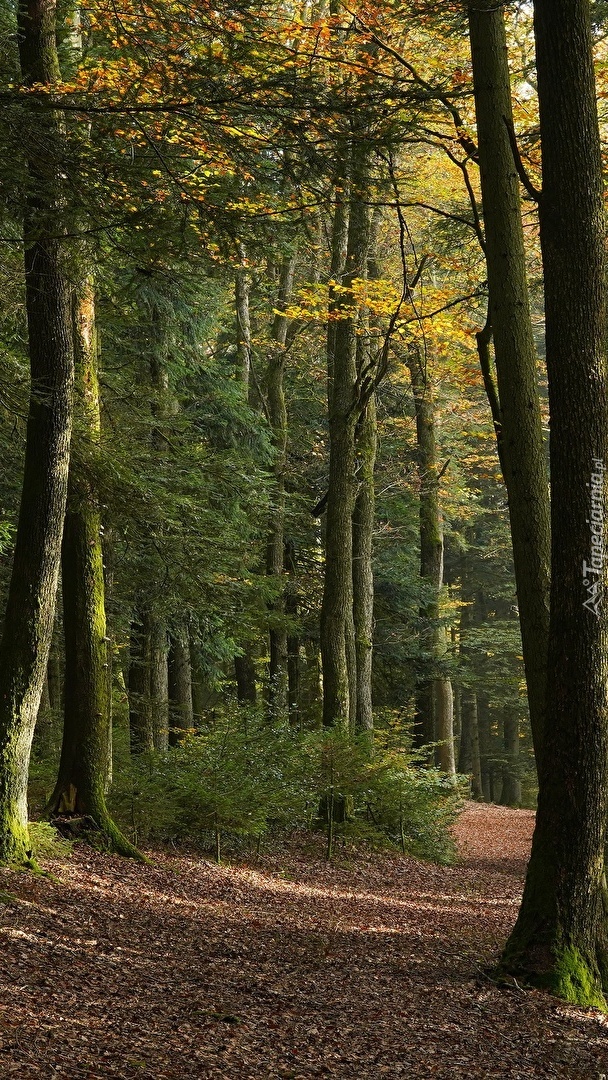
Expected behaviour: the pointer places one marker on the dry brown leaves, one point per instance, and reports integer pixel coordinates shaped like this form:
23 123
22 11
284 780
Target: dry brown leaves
281 968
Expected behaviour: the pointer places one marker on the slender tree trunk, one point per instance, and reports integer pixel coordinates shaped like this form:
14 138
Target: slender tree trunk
363 575
434 708
560 939
180 685
516 406
511 782
159 683
28 624
141 729
277 412
337 633
293 641
364 514
84 765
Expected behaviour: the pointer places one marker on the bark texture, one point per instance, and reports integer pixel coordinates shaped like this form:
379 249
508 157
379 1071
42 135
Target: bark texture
337 627
559 940
515 405
434 702
28 624
85 754
275 547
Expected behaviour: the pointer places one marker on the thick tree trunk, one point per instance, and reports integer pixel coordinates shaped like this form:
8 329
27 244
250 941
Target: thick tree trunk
560 939
84 765
28 624
516 408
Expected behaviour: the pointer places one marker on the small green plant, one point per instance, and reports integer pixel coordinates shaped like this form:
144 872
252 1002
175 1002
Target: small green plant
47 843
242 777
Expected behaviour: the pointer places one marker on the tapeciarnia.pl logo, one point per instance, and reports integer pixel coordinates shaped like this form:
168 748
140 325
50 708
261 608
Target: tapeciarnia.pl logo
592 571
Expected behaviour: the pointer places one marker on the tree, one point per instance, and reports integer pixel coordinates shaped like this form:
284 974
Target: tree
515 401
28 625
560 938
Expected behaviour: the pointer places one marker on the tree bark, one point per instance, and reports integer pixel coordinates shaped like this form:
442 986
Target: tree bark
275 557
159 683
560 940
141 730
337 631
434 708
181 713
83 776
28 624
516 406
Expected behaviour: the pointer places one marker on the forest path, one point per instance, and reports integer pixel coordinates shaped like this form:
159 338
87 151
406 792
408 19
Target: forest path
284 968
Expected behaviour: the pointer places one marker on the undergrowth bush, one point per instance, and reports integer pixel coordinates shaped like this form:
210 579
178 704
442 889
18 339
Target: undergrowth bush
46 842
242 777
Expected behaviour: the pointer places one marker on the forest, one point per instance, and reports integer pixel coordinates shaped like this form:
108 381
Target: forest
304 648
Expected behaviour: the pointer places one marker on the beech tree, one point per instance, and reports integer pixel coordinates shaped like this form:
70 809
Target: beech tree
560 939
28 624
515 400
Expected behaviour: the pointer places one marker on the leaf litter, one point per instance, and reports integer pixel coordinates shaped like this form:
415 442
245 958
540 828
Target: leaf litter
282 968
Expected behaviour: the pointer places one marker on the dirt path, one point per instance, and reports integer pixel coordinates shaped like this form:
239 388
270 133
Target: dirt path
285 968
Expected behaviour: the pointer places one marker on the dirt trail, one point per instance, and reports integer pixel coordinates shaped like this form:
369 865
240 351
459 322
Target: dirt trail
283 968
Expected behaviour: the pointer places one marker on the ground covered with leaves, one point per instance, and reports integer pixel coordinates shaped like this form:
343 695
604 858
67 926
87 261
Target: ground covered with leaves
283 967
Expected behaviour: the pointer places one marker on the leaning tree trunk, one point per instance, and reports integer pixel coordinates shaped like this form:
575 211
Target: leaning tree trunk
516 407
83 769
28 623
560 939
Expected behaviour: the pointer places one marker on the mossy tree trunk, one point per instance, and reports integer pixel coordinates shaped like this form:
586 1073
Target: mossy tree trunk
84 765
560 938
28 622
515 402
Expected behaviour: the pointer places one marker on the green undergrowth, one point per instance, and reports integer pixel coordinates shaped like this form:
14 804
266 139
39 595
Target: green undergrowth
242 781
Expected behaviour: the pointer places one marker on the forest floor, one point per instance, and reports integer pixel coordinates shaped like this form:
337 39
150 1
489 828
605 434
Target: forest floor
281 968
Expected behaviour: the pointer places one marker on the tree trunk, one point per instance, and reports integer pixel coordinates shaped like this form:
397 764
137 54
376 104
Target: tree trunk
141 730
84 765
434 709
159 683
516 408
511 782
560 940
337 632
277 412
28 624
181 712
293 642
